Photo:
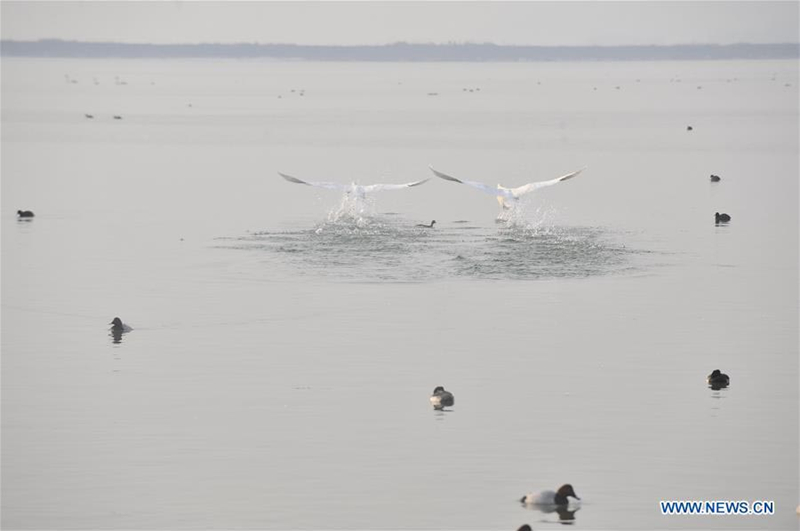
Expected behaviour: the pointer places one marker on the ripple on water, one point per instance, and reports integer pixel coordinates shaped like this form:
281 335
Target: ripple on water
389 248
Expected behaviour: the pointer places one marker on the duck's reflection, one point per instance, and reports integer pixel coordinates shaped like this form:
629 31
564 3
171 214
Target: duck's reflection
566 513
441 413
116 335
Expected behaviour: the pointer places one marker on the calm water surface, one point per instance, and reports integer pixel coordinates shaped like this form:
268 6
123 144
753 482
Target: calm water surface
286 339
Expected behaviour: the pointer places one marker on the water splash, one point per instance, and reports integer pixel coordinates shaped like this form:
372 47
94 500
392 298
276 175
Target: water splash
354 245
528 215
353 208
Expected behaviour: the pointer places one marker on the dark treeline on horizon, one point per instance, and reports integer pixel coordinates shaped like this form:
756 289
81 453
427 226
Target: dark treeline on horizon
399 51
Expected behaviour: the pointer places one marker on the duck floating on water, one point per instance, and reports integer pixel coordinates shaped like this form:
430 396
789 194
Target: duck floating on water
441 398
117 329
721 218
119 326
549 497
24 213
718 379
715 178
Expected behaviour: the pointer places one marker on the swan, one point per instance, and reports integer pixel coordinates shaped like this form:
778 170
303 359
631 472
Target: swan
507 197
549 497
433 222
358 190
441 398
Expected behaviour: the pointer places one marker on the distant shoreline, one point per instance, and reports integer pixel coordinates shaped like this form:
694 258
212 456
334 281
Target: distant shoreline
399 52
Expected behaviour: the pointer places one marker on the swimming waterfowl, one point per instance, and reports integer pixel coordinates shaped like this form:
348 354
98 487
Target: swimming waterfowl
689 128
524 527
507 197
441 398
427 226
718 378
549 497
24 213
721 218
119 326
353 188
715 178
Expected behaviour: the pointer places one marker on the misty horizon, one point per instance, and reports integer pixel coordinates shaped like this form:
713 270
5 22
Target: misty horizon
400 51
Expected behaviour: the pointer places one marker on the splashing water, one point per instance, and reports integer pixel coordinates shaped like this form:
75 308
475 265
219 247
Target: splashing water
353 208
527 215
355 244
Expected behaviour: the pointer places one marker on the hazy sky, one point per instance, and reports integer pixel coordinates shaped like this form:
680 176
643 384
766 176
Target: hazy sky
538 23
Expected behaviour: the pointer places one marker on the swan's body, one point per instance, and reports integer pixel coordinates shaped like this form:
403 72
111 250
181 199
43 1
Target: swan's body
550 497
441 398
507 197
358 190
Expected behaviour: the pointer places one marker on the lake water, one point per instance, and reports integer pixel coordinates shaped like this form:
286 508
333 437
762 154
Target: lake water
286 341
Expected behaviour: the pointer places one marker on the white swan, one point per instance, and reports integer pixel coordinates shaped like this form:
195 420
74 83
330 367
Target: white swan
507 197
358 190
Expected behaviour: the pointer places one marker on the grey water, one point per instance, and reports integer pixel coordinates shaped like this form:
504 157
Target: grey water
286 339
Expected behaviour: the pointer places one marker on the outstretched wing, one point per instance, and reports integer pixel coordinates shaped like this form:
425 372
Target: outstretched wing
382 187
491 190
530 187
329 186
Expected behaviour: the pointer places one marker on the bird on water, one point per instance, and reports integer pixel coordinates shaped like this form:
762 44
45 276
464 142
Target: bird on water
549 497
441 398
718 379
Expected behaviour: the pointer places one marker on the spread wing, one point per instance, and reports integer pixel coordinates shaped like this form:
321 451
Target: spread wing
382 187
329 186
491 190
530 187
